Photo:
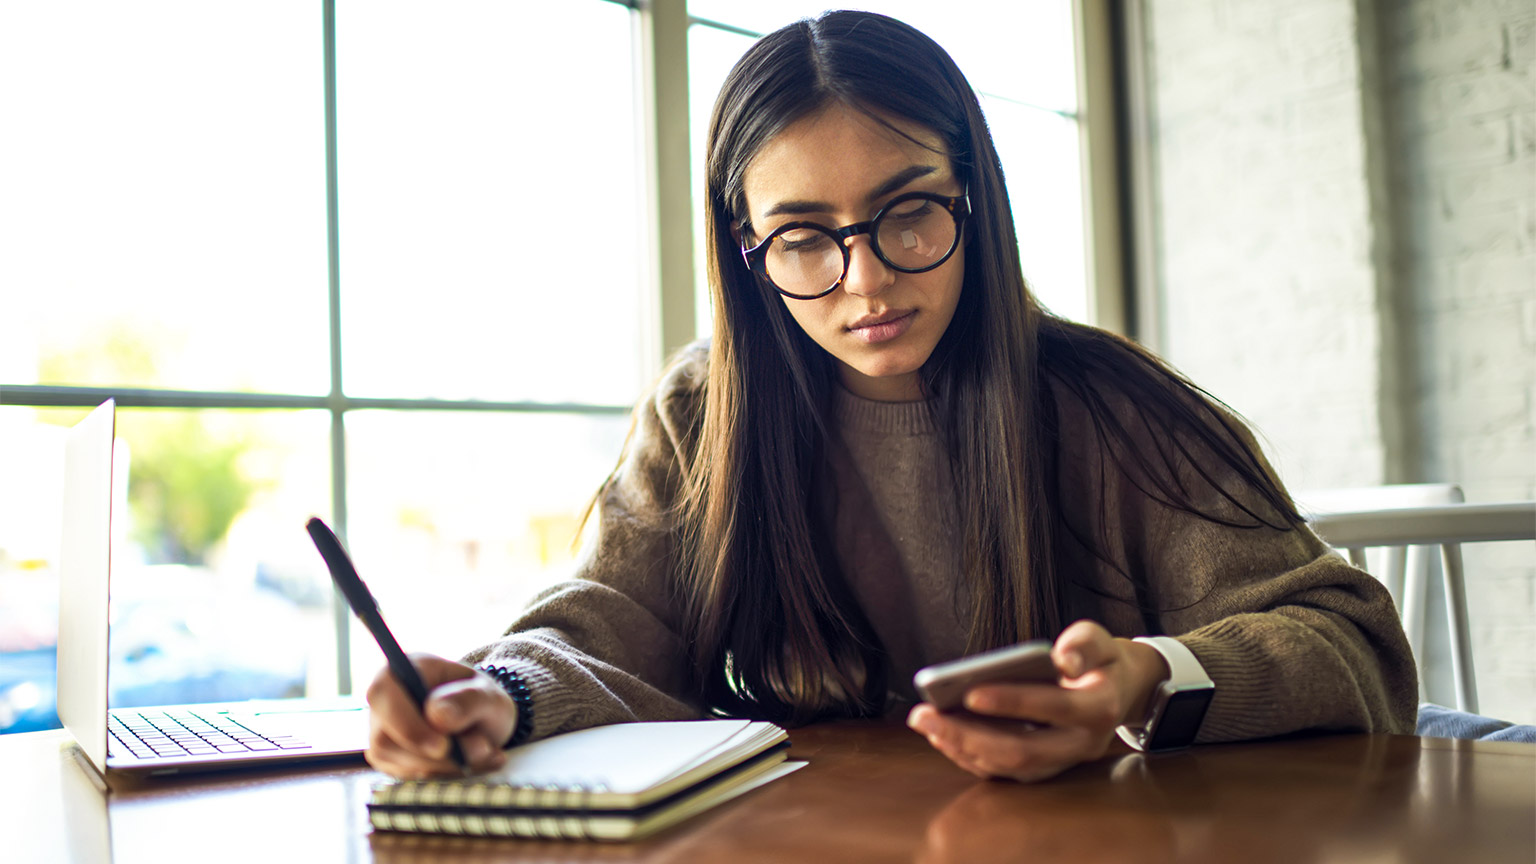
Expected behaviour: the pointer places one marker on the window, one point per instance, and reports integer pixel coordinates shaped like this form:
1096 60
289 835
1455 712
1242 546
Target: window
1022 63
167 243
343 264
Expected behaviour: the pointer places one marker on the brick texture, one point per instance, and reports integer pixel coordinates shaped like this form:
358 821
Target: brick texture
1346 248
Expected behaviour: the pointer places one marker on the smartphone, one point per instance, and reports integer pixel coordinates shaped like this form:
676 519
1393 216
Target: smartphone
945 684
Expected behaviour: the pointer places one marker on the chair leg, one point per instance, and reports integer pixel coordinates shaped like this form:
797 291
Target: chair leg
1389 574
1392 571
1415 592
1456 621
1357 557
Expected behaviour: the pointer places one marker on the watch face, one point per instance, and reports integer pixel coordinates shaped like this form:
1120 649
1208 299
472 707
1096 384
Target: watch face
1180 720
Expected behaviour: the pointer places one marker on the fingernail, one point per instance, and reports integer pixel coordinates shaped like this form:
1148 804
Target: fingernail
977 701
1074 665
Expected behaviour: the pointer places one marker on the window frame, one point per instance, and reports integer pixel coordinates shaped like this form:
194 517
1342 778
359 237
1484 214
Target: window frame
661 32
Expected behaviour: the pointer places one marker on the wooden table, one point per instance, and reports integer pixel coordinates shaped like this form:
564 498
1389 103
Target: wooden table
873 792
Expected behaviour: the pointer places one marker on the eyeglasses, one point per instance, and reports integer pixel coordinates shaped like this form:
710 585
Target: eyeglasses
914 233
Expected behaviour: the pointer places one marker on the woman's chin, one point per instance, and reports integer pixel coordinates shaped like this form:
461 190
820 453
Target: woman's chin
884 383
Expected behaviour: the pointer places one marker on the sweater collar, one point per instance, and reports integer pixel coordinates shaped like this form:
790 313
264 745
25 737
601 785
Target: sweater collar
855 413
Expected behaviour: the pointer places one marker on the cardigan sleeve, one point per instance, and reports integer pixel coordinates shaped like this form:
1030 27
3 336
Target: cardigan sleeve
605 647
1292 635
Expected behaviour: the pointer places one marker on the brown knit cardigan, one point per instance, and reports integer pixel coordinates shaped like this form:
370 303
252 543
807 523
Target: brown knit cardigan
1293 636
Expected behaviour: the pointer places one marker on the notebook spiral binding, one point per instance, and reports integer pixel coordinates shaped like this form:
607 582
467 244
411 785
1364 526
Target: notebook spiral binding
487 809
581 795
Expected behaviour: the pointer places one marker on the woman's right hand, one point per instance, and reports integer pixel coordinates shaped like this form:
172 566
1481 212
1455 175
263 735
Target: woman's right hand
461 701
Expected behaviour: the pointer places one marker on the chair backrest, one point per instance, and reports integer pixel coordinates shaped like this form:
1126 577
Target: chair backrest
1409 522
1337 510
1394 497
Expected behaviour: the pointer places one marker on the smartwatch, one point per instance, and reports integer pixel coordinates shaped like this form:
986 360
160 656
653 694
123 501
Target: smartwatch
1178 706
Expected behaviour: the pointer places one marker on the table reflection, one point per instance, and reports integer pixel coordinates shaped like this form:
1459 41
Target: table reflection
392 847
1217 804
87 822
989 822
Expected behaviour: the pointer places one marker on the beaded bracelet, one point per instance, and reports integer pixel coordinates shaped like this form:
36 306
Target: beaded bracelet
517 688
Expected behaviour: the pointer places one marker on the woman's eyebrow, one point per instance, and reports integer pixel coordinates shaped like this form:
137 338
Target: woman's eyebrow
895 182
900 179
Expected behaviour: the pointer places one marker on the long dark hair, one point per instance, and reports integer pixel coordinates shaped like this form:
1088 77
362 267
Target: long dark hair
774 630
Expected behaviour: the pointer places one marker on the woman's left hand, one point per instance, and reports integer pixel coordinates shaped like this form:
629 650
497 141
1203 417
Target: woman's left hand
1034 731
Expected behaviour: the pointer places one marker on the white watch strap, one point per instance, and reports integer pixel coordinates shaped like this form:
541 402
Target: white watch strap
1183 669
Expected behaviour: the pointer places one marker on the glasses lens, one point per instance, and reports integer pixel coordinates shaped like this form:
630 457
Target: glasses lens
804 260
915 234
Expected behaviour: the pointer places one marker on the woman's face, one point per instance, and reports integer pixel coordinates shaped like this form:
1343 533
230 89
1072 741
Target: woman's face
837 167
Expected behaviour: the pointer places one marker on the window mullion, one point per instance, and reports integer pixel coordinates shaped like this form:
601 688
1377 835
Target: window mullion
1108 303
340 615
661 57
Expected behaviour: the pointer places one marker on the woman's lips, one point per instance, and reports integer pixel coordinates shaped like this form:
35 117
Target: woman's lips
883 328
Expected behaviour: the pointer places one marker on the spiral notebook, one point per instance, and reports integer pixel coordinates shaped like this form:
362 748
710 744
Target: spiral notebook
619 782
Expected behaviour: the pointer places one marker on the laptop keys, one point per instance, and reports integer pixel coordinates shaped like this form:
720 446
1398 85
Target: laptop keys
167 734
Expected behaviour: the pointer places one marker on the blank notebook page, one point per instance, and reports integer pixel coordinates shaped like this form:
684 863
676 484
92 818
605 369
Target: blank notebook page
626 758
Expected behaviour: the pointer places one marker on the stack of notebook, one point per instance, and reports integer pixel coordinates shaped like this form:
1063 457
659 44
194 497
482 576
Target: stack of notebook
619 782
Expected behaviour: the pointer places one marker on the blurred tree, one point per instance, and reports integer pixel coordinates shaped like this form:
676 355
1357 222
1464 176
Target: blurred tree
185 483
125 353
185 486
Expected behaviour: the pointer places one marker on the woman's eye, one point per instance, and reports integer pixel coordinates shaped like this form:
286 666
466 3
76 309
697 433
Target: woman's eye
914 211
803 241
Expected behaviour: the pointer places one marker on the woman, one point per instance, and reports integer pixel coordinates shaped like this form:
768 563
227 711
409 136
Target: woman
889 455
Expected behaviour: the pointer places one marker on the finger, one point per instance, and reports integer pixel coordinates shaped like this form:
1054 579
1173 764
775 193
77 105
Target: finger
393 713
927 721
951 737
464 705
1083 646
386 755
1034 703
478 712
1091 702
992 749
398 762
435 670
390 756
989 741
480 752
922 718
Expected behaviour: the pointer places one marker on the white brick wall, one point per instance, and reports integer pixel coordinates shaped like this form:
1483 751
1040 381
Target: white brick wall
1268 289
1346 233
1460 99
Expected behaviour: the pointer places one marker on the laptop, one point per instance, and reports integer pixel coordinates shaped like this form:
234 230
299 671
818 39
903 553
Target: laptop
163 739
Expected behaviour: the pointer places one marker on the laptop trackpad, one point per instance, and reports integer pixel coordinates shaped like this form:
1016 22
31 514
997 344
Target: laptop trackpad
340 727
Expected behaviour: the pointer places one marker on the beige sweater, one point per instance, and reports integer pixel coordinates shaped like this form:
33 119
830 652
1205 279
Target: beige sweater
1293 637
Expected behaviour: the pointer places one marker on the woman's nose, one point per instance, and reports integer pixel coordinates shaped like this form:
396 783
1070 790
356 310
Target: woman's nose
867 274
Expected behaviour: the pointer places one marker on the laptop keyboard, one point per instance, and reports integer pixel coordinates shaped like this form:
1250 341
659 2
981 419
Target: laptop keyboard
152 734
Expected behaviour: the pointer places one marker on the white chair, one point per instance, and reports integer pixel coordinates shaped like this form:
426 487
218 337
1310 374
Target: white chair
1408 521
1393 565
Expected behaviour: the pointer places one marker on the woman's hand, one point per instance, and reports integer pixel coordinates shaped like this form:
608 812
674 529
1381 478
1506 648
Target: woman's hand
461 702
1035 731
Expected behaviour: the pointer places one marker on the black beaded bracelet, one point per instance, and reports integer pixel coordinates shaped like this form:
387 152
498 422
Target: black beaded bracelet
517 688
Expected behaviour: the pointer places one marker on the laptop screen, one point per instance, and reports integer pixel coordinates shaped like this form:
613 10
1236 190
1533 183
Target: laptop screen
85 562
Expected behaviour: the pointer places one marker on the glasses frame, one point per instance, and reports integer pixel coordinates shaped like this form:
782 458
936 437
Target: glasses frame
959 207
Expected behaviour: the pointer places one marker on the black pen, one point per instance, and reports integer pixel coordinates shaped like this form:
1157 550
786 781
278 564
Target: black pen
367 610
